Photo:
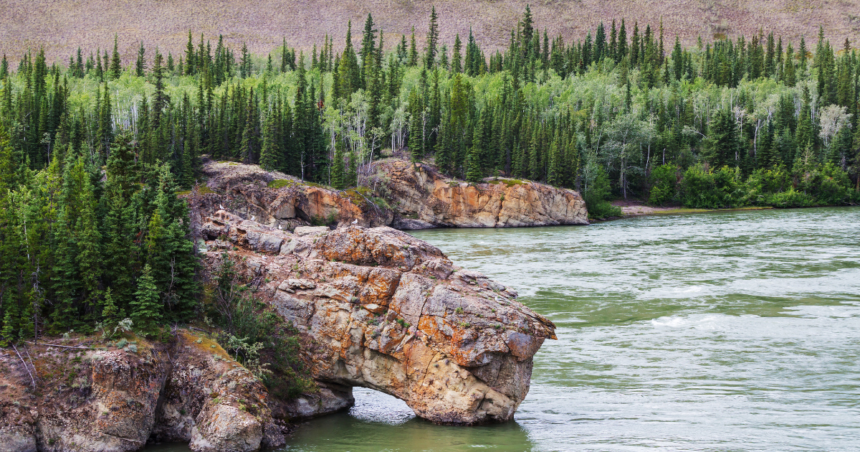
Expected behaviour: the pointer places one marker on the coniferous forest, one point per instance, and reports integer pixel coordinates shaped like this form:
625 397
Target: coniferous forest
93 151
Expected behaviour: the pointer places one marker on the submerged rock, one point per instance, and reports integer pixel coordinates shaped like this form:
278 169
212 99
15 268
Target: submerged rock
387 311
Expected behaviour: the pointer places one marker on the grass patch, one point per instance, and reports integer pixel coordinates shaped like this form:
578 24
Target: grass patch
281 183
508 182
358 195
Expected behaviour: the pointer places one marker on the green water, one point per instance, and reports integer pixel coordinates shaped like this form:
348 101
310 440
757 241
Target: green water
718 332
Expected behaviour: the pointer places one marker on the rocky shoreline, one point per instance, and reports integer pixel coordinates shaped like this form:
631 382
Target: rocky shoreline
406 196
374 307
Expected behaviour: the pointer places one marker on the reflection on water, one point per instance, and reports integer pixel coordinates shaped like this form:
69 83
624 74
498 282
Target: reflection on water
719 332
380 422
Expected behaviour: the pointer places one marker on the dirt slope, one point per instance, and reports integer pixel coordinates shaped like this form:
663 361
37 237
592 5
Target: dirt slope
63 25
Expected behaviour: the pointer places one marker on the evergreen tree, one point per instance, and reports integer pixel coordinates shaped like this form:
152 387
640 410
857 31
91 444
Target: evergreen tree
723 146
349 74
270 153
140 65
368 51
146 307
413 50
805 134
338 176
115 63
432 39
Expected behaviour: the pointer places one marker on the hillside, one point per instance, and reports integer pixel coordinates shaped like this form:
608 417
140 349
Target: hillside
63 25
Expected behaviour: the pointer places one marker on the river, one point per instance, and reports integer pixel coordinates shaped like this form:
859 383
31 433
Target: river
727 331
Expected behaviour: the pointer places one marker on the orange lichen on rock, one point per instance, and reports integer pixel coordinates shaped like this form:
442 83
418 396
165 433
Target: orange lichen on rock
425 198
390 312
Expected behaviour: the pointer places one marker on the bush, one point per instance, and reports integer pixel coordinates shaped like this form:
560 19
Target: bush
827 185
664 186
258 338
789 198
597 196
697 189
703 189
763 184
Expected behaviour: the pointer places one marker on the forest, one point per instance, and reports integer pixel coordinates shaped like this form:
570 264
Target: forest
94 152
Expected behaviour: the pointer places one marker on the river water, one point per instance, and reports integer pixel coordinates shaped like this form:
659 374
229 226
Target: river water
728 331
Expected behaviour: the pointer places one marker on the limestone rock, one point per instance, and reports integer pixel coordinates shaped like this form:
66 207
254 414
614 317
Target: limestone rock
210 401
280 201
310 230
17 438
389 312
424 197
104 402
117 400
330 398
421 197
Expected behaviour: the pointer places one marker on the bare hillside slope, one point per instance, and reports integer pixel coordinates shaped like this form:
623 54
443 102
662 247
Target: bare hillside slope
63 25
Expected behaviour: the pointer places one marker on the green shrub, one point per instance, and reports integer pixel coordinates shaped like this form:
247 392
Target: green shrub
701 189
789 198
664 185
597 196
257 337
827 185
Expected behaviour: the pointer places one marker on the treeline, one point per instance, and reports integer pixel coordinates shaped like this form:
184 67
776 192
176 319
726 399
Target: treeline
612 106
94 151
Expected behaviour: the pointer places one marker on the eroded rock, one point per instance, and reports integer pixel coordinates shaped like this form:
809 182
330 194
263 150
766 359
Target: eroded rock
283 202
425 198
420 198
117 400
390 312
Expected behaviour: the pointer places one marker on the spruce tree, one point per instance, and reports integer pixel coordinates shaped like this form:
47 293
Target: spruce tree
368 51
352 172
473 166
140 65
413 50
456 58
115 62
804 136
349 74
432 39
270 152
338 170
146 306
723 140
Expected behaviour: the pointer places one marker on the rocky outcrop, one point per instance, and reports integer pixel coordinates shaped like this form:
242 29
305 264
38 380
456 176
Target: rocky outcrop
121 396
281 201
425 198
389 312
415 197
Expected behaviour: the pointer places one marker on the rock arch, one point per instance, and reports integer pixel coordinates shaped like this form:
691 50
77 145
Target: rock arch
389 312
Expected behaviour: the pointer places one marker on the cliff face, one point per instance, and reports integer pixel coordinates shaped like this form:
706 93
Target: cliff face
116 399
280 201
419 197
390 312
424 198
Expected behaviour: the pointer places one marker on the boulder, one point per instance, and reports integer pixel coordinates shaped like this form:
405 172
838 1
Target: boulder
280 201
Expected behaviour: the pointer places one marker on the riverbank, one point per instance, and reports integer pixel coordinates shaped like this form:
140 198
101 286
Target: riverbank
397 193
631 209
